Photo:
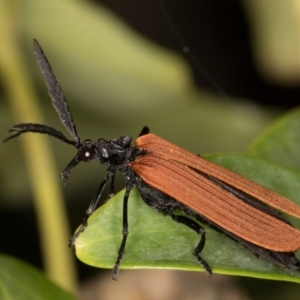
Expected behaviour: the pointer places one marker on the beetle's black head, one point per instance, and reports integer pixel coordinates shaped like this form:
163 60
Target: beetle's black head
86 153
112 153
86 149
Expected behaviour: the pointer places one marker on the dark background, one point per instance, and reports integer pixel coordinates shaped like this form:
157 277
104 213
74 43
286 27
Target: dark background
218 35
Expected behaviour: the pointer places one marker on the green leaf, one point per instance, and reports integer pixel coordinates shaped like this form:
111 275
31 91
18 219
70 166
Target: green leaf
280 142
19 280
156 241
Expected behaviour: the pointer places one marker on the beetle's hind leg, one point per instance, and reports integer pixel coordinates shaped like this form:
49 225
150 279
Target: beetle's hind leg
200 230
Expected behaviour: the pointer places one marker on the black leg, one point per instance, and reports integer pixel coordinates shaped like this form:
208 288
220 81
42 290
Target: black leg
112 185
166 205
200 230
124 233
92 207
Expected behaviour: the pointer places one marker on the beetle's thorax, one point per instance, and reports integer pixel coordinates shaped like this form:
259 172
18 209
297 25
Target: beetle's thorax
117 152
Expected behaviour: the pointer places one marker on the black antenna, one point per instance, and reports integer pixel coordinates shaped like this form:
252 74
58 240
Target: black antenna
186 49
18 129
55 92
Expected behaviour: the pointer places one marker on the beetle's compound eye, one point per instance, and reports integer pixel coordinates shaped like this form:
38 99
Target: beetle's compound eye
86 154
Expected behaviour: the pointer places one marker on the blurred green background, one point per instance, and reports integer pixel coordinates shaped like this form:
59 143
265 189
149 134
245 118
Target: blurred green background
121 68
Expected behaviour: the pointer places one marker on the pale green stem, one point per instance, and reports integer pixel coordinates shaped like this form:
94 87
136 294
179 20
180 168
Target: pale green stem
48 200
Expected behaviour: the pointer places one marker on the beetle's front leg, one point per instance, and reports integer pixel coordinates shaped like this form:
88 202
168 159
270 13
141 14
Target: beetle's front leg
110 176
